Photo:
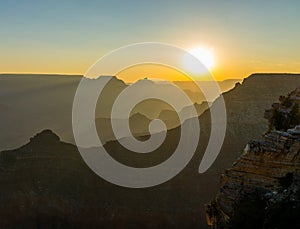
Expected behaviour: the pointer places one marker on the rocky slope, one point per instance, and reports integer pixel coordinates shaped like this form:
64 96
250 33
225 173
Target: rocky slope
46 184
262 189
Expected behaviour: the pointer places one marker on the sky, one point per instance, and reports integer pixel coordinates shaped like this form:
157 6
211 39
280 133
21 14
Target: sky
67 37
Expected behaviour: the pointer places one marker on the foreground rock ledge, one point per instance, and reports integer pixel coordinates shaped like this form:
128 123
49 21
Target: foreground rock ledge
267 172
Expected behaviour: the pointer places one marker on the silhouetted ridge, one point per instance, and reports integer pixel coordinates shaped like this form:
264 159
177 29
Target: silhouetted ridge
113 79
46 136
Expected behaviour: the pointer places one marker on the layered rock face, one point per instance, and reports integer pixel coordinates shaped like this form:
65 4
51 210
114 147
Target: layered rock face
266 167
262 188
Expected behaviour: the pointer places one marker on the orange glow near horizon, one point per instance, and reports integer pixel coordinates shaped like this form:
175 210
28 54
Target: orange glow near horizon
155 72
225 68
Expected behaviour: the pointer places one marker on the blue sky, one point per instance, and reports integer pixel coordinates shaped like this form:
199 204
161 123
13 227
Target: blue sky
68 36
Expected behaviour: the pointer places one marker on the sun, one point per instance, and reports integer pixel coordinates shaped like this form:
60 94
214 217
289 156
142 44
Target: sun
199 54
204 55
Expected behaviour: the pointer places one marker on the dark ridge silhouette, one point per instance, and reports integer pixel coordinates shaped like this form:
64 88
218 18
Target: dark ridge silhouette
45 183
49 182
30 103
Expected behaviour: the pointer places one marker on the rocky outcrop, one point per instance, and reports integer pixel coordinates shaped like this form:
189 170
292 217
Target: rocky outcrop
285 113
263 181
265 167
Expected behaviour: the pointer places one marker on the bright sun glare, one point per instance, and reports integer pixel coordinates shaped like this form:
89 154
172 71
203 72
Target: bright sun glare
204 55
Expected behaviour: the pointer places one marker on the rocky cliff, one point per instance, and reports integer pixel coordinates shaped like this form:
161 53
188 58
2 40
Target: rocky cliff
262 188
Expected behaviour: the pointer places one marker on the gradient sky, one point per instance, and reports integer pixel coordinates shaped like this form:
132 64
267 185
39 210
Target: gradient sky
69 36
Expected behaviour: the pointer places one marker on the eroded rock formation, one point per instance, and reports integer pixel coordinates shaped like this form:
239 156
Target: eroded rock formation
262 188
